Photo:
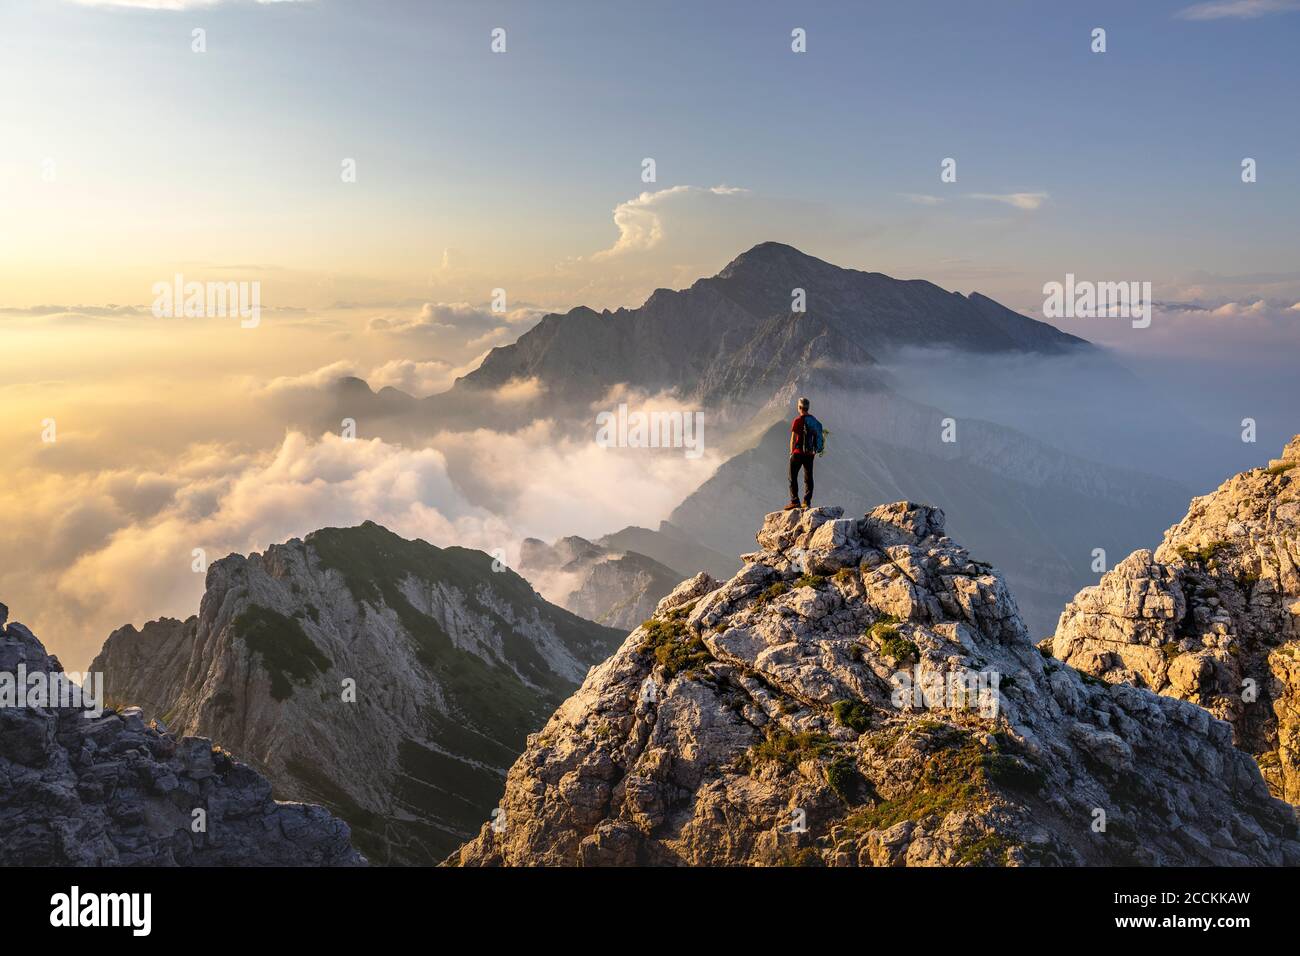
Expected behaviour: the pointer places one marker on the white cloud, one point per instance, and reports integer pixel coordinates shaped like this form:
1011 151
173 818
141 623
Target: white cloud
640 221
1234 309
922 199
319 378
415 378
443 319
107 548
519 391
1246 332
1026 201
1236 9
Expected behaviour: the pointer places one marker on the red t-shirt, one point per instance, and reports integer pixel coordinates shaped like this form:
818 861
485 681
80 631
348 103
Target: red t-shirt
800 432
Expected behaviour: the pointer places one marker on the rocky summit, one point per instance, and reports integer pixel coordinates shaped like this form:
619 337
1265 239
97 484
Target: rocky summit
863 692
111 791
1212 616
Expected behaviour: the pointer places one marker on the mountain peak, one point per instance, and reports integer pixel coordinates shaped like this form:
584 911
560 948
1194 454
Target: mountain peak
735 335
863 692
455 661
768 256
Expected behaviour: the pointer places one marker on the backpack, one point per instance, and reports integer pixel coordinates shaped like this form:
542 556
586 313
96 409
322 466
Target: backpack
815 434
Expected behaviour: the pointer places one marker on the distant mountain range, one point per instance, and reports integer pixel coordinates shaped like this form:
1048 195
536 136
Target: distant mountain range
731 347
734 335
615 586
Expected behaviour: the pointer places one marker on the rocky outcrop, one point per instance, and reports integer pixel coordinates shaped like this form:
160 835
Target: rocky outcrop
109 790
863 692
388 679
616 588
1212 616
1031 509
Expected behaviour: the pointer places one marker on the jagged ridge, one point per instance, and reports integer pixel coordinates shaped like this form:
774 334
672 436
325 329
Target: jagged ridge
1212 616
759 721
453 663
111 791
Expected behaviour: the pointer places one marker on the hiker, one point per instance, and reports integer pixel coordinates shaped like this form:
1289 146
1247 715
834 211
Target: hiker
806 440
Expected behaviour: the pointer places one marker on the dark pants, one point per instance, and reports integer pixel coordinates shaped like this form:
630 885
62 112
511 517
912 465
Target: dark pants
805 461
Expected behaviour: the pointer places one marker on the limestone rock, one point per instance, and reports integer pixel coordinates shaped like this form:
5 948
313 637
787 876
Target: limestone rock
390 680
1212 617
891 713
110 791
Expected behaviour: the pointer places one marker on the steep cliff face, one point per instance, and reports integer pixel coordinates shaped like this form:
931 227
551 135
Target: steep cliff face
863 692
1212 616
391 680
111 791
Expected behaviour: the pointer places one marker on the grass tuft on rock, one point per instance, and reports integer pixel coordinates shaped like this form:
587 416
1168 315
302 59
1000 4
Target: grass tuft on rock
853 714
886 634
673 645
1201 554
788 750
960 772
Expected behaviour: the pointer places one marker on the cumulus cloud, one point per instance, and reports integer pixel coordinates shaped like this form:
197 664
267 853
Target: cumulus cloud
143 567
309 381
459 325
519 391
415 378
420 378
640 220
102 549
1025 201
1236 9
1246 332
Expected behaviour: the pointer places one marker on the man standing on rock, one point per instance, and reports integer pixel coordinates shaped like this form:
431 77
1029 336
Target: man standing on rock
805 442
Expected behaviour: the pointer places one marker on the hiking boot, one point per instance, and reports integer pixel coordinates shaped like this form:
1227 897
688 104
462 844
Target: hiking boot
791 506
807 502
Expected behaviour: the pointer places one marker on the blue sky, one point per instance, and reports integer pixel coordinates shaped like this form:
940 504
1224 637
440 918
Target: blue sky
516 162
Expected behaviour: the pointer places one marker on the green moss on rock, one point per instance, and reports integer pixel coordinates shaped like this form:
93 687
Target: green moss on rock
287 653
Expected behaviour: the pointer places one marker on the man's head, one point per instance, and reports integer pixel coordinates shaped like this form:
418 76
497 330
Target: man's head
804 405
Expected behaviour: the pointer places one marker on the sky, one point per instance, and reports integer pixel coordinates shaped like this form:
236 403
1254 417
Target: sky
478 170
127 158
